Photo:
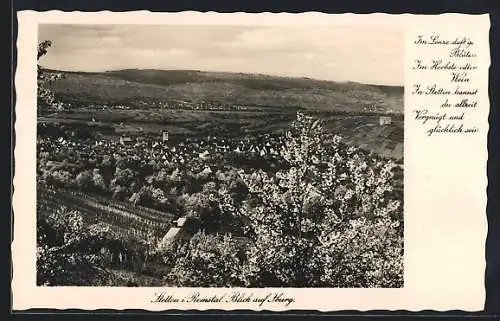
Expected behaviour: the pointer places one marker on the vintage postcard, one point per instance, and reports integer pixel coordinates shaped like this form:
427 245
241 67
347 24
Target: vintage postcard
265 162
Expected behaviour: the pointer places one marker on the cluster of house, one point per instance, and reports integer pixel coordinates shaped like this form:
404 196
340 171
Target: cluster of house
196 153
127 140
208 146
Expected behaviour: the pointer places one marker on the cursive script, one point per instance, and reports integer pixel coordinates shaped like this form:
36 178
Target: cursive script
234 297
445 96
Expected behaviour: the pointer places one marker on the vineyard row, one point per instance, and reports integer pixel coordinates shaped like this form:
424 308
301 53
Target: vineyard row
137 212
135 224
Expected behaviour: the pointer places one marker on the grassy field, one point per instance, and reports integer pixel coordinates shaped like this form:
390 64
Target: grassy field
139 87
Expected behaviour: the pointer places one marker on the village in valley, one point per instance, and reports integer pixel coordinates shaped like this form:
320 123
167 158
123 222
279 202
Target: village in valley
170 178
154 181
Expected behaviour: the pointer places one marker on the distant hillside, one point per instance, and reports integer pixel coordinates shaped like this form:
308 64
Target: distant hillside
133 86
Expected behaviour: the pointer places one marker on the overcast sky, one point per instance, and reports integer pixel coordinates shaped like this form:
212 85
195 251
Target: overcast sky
362 54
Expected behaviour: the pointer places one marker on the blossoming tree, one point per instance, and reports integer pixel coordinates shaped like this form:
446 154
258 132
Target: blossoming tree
46 97
326 220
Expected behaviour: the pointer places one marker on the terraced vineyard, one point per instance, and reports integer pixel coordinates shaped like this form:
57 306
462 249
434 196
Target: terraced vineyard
125 219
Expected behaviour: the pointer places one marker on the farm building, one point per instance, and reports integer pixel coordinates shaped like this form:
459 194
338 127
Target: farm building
173 234
125 140
385 120
181 221
183 229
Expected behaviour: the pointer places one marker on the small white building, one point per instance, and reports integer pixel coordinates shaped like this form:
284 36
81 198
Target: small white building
125 140
173 234
165 136
182 230
181 221
204 155
385 120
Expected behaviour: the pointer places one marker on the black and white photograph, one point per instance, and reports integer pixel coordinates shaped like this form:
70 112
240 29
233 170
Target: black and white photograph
220 156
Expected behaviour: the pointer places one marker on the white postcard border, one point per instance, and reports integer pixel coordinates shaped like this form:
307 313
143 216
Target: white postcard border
444 238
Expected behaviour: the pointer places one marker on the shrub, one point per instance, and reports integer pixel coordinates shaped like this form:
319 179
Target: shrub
67 249
208 260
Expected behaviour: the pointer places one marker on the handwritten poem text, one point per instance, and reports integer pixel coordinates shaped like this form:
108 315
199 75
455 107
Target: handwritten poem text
444 93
